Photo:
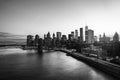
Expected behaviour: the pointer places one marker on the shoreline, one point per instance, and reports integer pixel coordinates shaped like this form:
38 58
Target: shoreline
107 67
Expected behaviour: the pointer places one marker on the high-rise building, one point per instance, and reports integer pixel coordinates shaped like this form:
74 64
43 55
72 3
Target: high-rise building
48 35
29 40
59 35
36 40
76 34
104 39
90 36
64 38
95 38
116 37
86 34
81 34
45 36
53 36
72 34
69 37
99 37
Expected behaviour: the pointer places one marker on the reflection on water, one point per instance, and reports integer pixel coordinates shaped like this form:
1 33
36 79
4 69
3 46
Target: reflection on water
27 65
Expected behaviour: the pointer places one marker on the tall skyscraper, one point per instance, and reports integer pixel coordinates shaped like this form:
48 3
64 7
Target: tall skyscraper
81 34
45 36
36 40
95 38
116 37
59 35
69 37
53 36
90 36
29 40
72 33
86 34
48 35
76 34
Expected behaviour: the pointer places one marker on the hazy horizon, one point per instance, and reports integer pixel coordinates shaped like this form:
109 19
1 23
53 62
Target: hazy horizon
40 16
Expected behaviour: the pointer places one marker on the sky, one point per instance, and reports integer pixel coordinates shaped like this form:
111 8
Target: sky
40 16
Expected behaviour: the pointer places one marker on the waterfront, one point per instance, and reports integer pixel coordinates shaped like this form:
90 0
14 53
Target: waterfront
18 64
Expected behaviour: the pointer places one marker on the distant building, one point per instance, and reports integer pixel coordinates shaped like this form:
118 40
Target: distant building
116 37
72 34
90 36
48 35
29 40
45 36
95 38
69 37
54 40
53 36
36 40
59 35
48 40
104 39
76 34
64 38
81 34
86 34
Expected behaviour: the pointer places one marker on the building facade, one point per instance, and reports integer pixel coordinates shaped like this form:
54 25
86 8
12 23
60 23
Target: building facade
59 35
81 34
76 34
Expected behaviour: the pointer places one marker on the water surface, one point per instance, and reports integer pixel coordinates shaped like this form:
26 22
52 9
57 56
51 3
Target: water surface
18 64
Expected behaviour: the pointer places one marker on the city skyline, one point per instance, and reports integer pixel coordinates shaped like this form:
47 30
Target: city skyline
41 16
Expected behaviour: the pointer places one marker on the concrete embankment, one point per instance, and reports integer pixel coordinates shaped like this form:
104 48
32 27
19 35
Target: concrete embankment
105 66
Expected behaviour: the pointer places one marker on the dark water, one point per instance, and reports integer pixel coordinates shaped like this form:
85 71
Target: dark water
17 64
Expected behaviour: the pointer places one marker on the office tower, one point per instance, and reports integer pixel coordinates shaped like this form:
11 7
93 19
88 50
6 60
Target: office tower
81 34
69 37
100 38
104 39
53 40
59 35
48 35
36 40
72 34
29 40
116 37
53 36
90 36
86 34
76 34
64 38
95 38
45 36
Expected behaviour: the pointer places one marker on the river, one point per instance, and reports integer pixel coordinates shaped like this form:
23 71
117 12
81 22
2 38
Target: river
18 64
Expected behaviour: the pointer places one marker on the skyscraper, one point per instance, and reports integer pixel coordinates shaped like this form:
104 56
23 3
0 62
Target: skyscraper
76 34
64 38
29 40
104 39
86 34
48 35
69 37
95 38
72 33
116 37
59 35
81 34
36 40
90 36
53 36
